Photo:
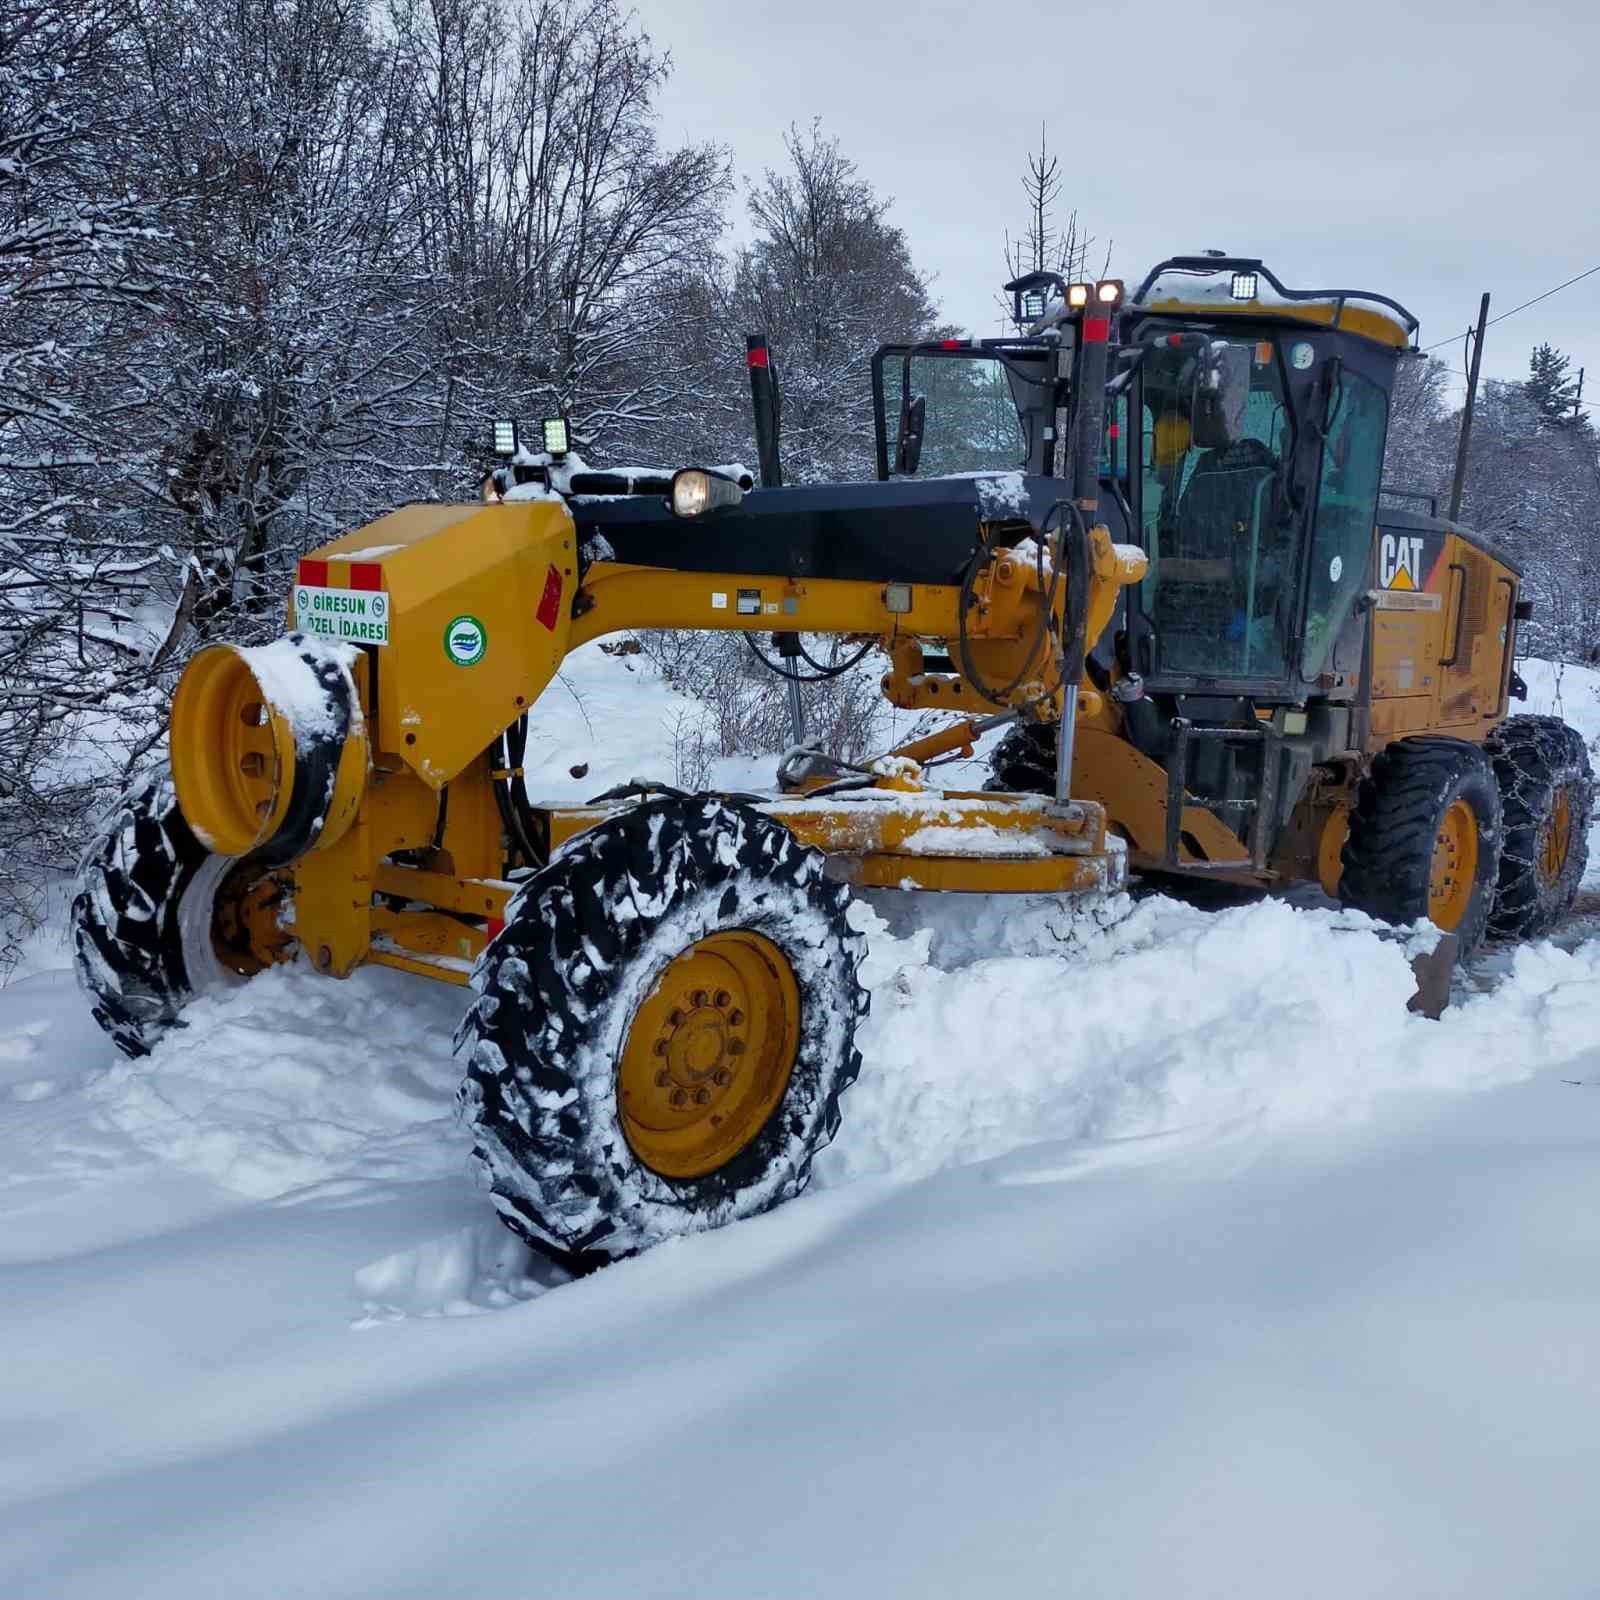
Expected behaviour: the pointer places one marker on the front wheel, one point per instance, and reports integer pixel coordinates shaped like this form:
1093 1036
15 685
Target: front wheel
663 1029
157 917
1425 838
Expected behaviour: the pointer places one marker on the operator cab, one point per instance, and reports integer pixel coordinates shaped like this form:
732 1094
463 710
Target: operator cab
1243 448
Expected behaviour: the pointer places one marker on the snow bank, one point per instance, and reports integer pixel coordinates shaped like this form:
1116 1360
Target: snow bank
1170 1018
1176 1017
1559 689
293 1083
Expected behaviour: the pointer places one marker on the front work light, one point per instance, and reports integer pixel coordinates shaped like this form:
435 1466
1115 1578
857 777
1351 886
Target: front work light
696 492
1109 291
1243 286
556 442
505 437
1033 305
1078 296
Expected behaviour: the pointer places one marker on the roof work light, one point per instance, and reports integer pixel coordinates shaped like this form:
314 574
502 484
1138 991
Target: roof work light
556 439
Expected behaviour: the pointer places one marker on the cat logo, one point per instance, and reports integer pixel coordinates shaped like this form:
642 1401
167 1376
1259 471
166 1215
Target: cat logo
1400 562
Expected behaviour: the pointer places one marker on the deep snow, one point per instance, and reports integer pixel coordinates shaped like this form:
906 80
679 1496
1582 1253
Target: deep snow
1166 1256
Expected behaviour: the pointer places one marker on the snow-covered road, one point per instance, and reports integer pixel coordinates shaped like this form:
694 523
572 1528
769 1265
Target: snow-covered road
1185 1266
1189 1264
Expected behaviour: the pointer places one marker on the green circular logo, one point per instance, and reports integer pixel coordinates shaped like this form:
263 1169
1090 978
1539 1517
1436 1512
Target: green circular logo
465 641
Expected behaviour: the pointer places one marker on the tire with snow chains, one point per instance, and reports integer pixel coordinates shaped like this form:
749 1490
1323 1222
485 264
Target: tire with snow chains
663 1029
1024 761
1425 838
1547 794
142 916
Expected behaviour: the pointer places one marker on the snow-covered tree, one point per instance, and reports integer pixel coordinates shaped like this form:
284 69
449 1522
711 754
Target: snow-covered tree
84 272
1549 387
828 277
557 233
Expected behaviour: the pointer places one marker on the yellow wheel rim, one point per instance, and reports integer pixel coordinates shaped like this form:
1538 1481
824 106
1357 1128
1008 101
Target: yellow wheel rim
1455 866
1555 838
233 753
245 934
708 1054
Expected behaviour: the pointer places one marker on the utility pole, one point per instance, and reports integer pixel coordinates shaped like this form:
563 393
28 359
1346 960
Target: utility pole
1577 399
1460 481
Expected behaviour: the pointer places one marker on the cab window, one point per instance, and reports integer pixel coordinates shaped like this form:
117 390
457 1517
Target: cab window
1347 513
1220 589
971 419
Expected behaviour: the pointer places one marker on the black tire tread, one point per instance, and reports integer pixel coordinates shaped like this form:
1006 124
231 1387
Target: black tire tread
127 947
555 981
1024 761
1388 856
1533 756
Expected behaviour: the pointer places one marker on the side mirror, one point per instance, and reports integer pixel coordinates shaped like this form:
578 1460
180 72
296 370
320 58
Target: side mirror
1222 389
908 448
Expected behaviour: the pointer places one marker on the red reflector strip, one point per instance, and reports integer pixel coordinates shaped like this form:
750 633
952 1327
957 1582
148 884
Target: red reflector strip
497 926
952 344
550 600
314 573
366 575
1114 431
758 356
1096 330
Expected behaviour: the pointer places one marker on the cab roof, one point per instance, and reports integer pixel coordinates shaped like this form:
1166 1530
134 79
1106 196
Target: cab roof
1207 286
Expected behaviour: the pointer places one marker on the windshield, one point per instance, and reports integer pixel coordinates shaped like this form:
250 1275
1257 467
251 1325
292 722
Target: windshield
971 422
1220 588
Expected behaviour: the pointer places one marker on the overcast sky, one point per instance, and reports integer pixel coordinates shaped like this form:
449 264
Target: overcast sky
1427 149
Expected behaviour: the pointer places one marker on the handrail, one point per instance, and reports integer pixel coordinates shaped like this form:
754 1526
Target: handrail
1213 264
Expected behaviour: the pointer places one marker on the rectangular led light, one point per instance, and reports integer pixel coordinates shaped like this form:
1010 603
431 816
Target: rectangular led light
505 437
555 436
1078 296
1243 286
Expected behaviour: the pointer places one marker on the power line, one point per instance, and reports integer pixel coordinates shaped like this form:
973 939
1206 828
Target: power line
1458 372
1523 307
1586 405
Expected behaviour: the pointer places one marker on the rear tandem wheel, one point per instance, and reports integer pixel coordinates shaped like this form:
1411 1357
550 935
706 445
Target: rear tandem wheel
1425 838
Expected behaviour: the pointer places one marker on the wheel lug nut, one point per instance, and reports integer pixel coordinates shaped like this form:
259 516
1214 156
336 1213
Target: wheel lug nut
663 1078
702 1097
736 1047
735 1018
701 997
722 1078
676 1019
723 997
678 1097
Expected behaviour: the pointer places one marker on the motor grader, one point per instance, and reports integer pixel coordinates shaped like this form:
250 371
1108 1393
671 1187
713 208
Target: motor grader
1145 534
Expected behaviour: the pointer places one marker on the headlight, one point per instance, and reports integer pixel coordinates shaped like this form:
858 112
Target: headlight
696 492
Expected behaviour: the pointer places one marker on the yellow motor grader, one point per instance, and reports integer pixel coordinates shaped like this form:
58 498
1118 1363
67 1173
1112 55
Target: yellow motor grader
1146 535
